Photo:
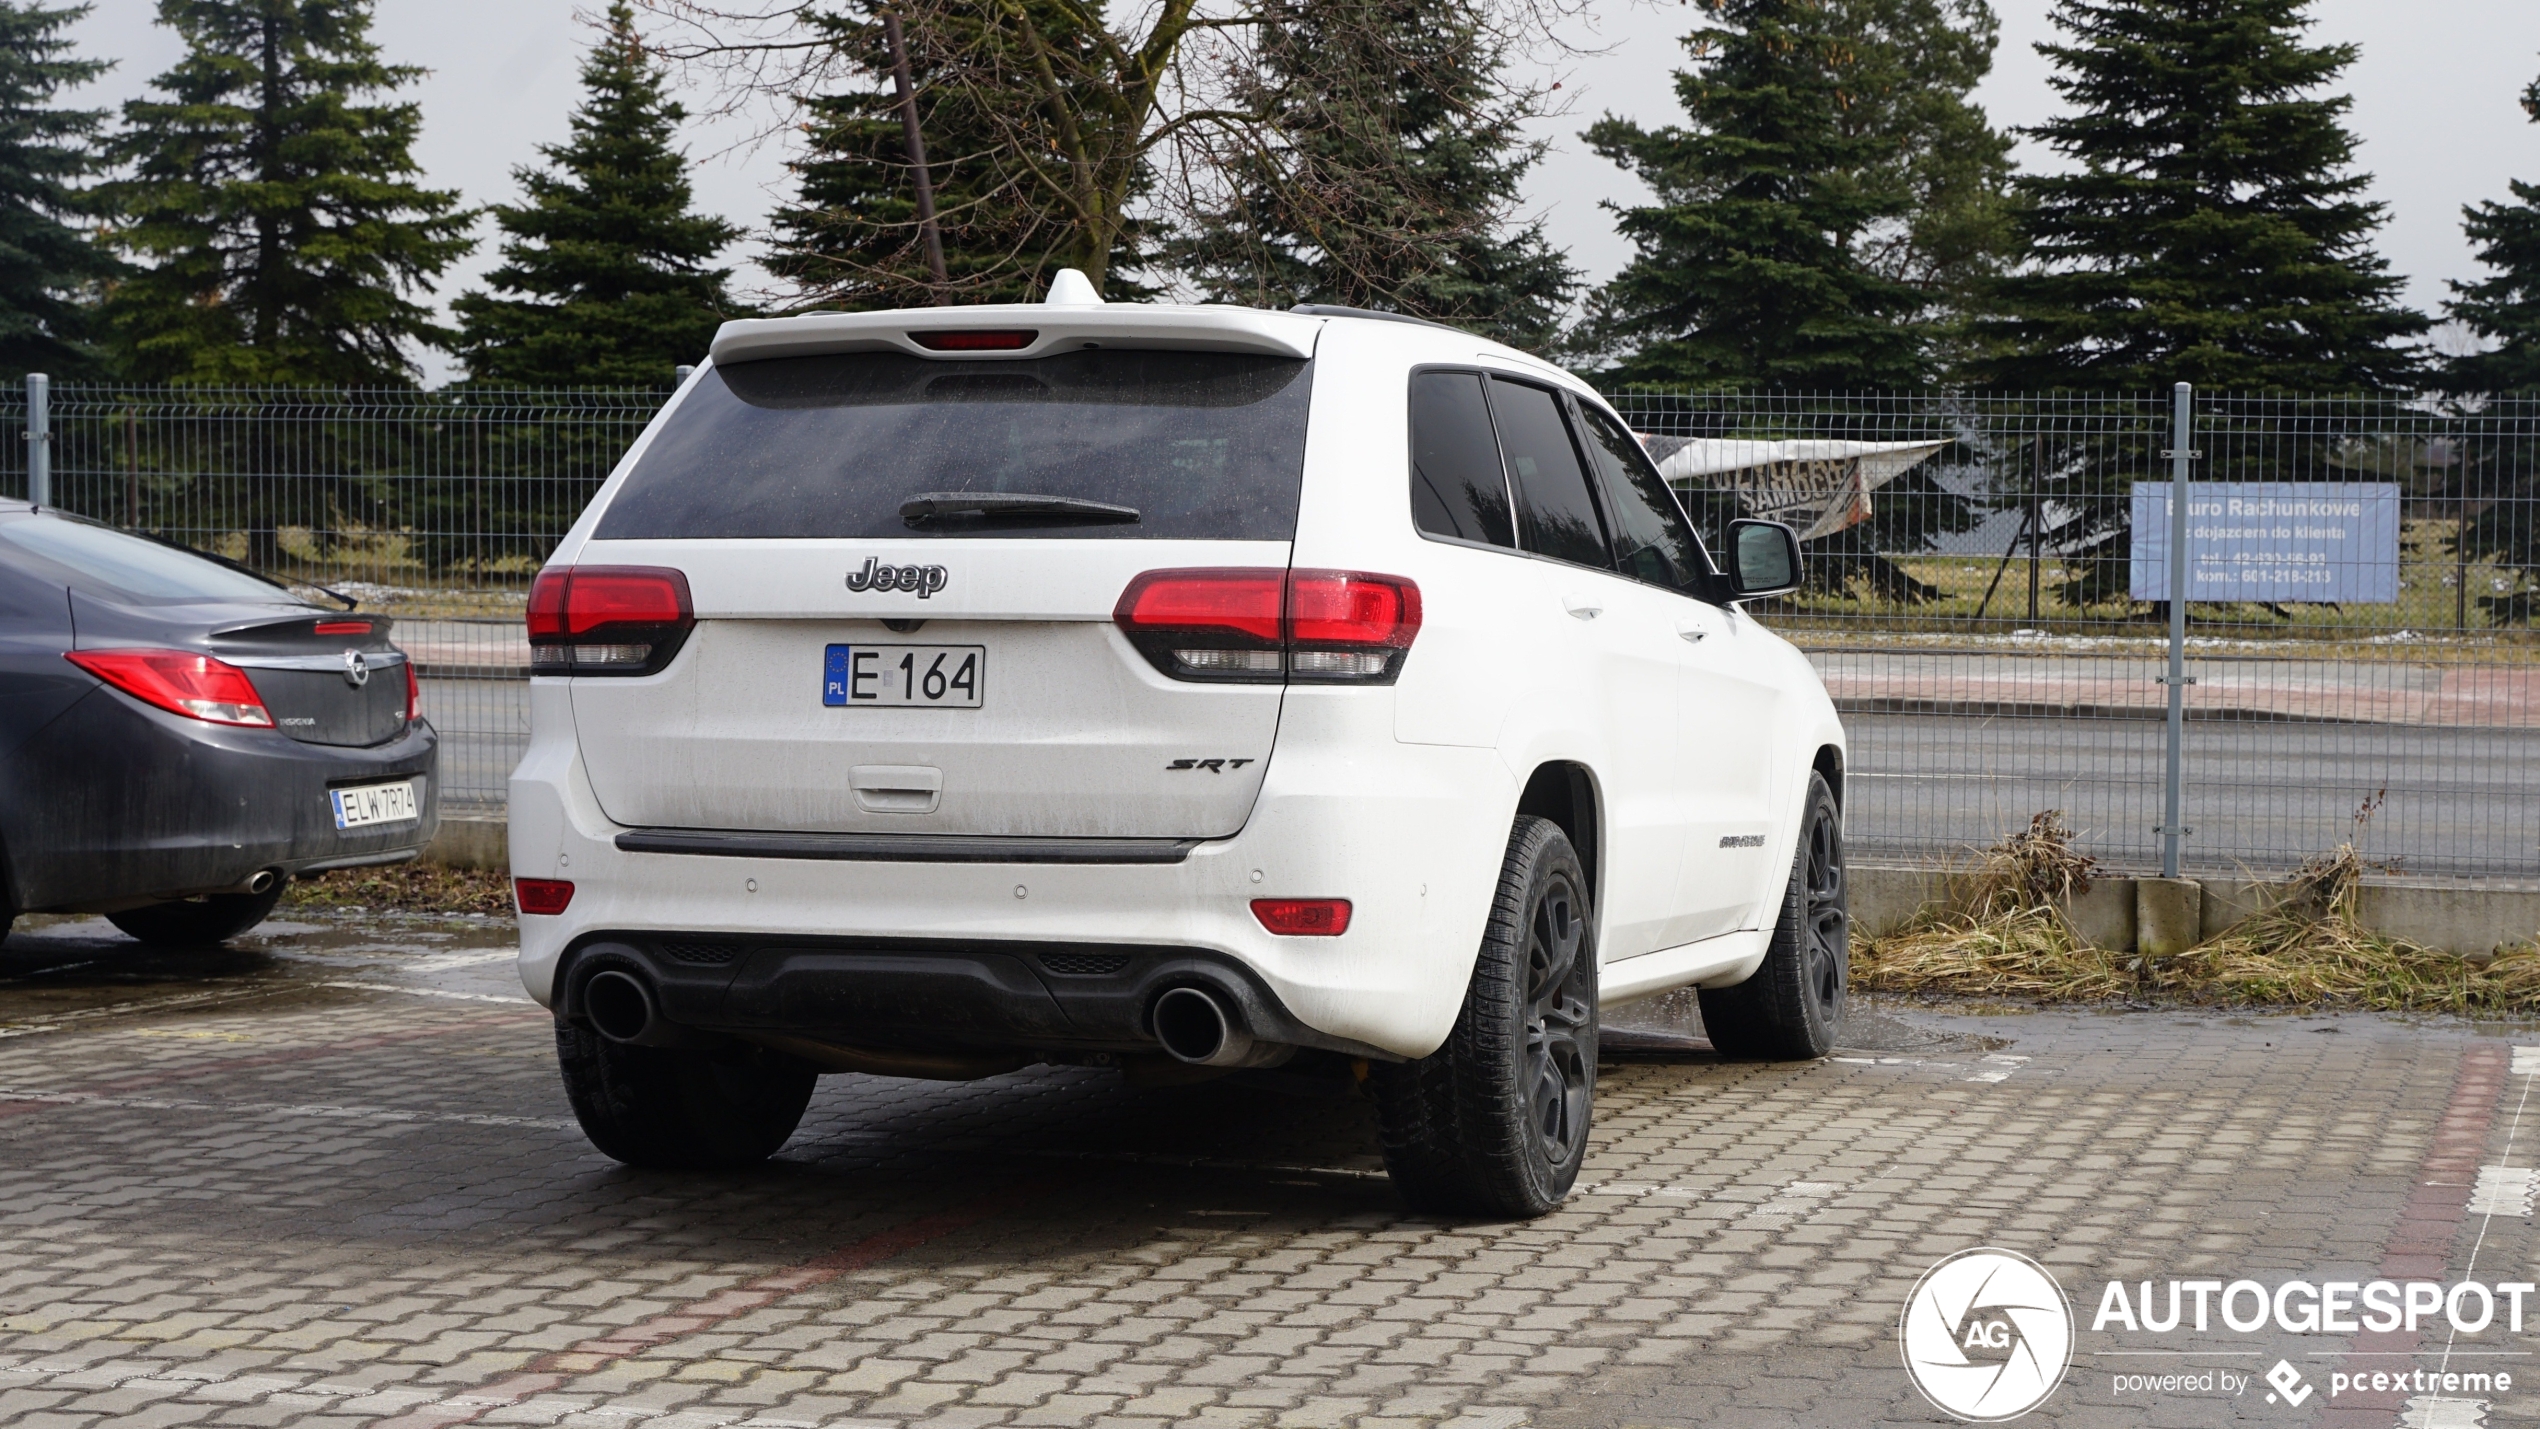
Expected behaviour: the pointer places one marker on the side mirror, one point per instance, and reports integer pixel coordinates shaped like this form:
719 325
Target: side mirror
1763 559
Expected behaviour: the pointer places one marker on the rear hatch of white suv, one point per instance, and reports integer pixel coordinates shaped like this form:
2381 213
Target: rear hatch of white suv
880 590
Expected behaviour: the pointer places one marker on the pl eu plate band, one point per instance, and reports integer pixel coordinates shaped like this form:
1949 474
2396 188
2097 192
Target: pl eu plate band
906 848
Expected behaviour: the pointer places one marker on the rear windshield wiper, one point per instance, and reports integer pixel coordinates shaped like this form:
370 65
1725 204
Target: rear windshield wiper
928 506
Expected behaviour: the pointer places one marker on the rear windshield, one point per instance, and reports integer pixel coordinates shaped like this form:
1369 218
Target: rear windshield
1202 445
143 570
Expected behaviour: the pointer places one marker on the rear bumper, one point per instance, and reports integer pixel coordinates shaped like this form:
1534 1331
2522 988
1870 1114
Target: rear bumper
1405 838
949 997
115 804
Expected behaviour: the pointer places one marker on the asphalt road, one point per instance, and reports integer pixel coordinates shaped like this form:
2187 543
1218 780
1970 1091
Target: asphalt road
2259 795
329 1178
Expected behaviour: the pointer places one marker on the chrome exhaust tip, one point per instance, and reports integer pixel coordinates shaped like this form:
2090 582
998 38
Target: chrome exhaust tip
618 1006
264 880
1196 1027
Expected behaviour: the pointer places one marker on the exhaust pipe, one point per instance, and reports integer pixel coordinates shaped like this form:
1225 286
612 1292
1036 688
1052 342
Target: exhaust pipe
1198 1028
619 1006
264 880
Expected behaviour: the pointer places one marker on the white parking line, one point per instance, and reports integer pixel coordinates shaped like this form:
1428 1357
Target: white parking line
431 992
56 1021
309 1109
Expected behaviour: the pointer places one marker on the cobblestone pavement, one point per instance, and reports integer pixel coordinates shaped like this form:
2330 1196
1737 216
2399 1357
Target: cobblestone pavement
330 1178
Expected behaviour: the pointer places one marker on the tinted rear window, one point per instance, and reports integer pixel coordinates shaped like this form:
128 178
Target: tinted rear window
1456 486
1205 445
130 566
1557 516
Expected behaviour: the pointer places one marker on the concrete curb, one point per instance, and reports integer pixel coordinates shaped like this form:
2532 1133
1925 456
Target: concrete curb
471 841
2471 921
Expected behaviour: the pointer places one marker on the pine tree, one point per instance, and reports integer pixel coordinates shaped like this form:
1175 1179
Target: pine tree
1780 250
277 215
49 268
607 259
1386 177
850 239
2506 306
2211 229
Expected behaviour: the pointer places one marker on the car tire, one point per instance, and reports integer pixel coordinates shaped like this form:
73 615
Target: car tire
673 1109
1495 1121
1792 1008
197 922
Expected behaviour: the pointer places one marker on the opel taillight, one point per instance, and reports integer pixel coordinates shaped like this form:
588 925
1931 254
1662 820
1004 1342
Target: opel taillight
414 694
607 620
180 682
1263 626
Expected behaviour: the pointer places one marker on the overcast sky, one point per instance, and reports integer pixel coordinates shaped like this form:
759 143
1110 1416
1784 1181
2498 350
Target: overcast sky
2435 105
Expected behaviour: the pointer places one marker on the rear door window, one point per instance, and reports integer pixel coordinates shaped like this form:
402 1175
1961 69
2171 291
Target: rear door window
1653 541
1200 445
1556 514
1457 488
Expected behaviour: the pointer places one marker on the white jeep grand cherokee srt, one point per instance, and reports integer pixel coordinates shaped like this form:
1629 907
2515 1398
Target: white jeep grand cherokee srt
933 693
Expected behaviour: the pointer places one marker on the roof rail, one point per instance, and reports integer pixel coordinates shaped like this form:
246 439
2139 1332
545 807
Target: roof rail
1336 310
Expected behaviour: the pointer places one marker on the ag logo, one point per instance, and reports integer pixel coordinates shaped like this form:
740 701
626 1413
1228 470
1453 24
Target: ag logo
1987 1335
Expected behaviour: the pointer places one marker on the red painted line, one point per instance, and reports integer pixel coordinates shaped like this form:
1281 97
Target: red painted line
553 1371
2420 1246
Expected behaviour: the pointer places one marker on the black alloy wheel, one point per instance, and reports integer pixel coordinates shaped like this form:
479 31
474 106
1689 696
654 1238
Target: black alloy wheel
1792 1008
1495 1121
1560 1019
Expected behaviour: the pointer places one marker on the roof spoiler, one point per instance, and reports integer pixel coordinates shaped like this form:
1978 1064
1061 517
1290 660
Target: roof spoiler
1075 316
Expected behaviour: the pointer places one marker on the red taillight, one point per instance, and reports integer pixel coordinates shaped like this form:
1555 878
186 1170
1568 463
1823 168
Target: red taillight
343 627
1263 626
1228 601
180 682
1006 340
414 693
1303 917
607 620
542 897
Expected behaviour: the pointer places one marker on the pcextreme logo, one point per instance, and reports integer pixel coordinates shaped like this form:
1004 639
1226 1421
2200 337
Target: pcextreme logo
1987 1335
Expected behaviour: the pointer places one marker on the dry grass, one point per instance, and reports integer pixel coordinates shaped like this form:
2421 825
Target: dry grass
2306 949
406 888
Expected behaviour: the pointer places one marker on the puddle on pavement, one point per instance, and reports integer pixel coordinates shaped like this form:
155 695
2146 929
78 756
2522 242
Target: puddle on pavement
1668 1027
56 965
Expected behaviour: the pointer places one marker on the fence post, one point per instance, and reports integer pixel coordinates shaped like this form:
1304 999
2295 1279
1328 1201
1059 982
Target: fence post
39 439
682 371
2181 453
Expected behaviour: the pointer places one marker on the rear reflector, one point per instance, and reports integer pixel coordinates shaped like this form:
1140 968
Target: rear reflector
414 694
1007 340
1303 917
607 620
1263 625
542 897
180 682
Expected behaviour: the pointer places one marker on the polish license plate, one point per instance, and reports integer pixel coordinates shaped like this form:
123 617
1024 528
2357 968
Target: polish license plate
936 676
369 805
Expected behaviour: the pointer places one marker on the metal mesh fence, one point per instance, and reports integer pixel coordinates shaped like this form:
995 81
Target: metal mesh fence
1984 591
434 507
1986 601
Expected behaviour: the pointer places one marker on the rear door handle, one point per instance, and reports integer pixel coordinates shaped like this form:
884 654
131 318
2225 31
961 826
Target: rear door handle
1585 607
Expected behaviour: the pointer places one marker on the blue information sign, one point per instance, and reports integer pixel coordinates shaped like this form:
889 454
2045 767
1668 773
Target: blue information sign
2272 541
